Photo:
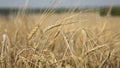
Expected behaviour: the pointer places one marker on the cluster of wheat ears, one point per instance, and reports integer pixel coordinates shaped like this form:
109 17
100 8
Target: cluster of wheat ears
65 44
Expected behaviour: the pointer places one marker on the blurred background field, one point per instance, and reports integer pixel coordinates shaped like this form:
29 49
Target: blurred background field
44 35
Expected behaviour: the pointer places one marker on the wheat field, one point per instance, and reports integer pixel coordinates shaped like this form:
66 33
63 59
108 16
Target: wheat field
66 40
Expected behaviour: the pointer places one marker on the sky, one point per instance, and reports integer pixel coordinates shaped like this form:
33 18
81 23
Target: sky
57 3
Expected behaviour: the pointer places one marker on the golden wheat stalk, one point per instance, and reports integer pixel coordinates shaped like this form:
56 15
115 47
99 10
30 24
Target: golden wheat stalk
57 25
94 49
33 32
5 52
68 45
108 56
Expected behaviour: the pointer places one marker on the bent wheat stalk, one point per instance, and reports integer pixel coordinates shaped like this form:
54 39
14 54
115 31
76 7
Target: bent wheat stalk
57 25
94 49
33 32
108 56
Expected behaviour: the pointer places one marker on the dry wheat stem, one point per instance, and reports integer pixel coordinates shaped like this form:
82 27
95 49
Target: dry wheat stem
57 25
96 48
68 45
71 39
84 41
108 56
33 32
5 51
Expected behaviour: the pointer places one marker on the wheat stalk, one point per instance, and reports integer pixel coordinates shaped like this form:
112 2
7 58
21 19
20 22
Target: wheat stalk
108 56
33 32
5 52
